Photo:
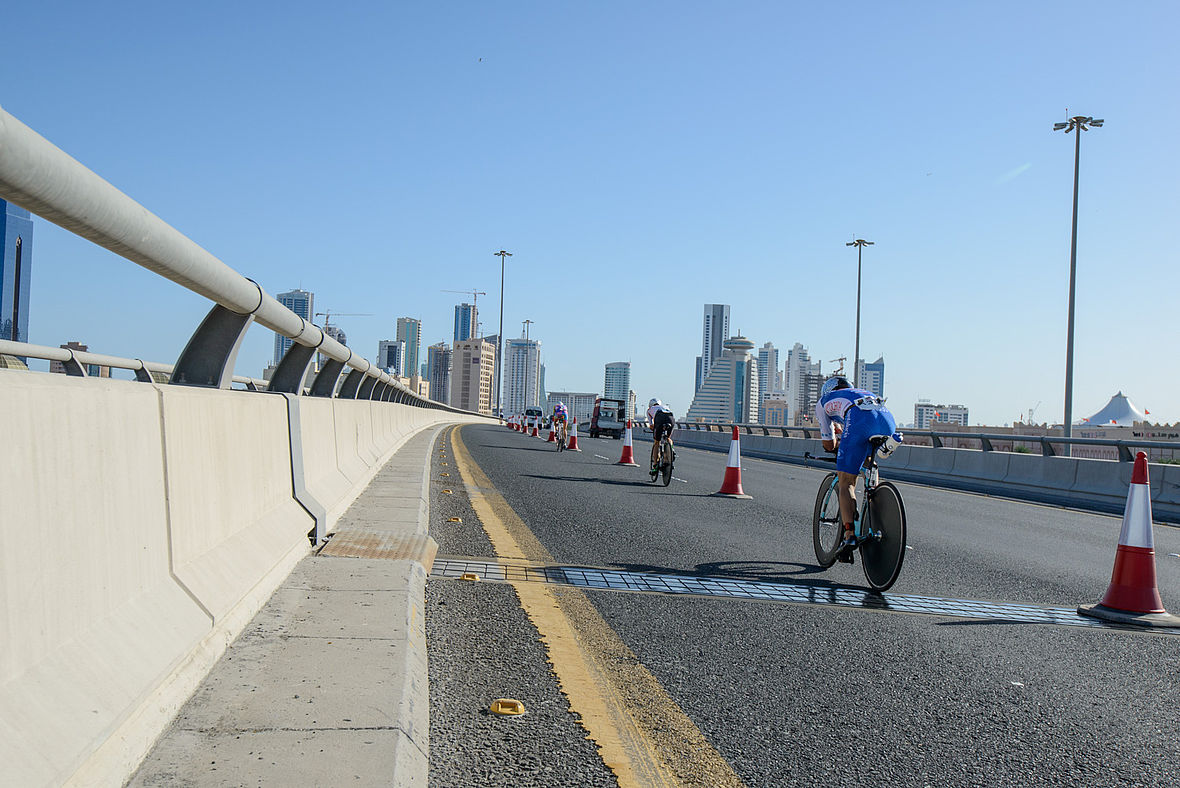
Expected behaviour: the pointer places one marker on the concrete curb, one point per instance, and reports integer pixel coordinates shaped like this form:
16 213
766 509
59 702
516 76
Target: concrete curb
335 659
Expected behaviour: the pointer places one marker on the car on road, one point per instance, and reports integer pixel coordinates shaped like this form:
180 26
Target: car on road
608 418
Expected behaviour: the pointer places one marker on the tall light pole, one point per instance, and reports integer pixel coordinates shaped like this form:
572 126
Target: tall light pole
500 336
860 244
1076 124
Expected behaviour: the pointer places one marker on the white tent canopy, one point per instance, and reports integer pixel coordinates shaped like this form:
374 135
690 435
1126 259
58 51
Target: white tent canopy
1119 412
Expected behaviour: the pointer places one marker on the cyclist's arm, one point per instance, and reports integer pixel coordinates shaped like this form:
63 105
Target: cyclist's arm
829 436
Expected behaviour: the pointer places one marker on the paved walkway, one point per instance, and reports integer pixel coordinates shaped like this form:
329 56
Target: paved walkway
327 685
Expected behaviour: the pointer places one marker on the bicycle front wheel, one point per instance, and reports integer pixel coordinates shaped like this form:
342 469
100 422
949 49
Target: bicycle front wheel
882 553
666 463
826 528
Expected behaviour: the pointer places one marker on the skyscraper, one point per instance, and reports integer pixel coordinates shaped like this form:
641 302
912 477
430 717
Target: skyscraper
872 376
438 371
714 332
618 380
16 265
409 330
301 302
471 375
522 375
391 356
799 367
466 321
730 393
767 370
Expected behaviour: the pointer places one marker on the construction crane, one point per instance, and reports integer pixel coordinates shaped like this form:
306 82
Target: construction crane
328 315
1033 410
474 295
842 359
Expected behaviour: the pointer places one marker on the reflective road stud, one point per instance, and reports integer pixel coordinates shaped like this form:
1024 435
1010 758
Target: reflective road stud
628 457
731 485
506 707
1133 596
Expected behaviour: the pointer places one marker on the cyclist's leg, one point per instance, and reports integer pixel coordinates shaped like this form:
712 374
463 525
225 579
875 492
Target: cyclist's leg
854 448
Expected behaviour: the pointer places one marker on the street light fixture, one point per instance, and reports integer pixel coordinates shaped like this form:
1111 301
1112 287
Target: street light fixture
1076 124
500 336
860 244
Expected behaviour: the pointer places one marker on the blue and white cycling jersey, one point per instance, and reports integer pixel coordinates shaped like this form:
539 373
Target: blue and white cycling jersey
863 414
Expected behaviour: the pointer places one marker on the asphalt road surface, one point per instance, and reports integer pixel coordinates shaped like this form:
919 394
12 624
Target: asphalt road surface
802 694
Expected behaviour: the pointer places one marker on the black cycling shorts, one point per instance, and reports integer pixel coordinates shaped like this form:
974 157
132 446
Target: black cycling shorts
664 423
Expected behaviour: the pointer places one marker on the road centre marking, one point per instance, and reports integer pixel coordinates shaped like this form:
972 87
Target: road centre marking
642 734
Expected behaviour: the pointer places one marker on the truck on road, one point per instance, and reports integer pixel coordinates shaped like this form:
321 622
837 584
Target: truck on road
608 418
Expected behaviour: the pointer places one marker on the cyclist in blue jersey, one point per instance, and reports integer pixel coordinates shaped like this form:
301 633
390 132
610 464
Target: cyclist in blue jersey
862 416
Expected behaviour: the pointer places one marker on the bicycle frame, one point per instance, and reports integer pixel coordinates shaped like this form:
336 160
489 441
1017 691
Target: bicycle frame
871 475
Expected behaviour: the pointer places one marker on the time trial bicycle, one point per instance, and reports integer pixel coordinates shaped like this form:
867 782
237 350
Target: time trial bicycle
666 456
880 525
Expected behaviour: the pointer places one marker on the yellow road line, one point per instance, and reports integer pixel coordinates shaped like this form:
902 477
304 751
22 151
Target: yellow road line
643 736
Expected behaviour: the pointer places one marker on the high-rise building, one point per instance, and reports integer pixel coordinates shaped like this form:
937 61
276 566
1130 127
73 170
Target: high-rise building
618 380
301 302
730 392
522 375
409 330
391 356
714 332
465 322
93 370
16 267
799 367
438 371
767 370
810 385
926 415
472 363
872 376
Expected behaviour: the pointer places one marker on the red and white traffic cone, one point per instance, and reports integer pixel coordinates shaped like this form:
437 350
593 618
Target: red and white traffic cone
1133 596
731 485
515 426
573 444
628 457
535 432
552 435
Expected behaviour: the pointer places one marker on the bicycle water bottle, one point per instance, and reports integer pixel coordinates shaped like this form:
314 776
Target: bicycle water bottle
872 476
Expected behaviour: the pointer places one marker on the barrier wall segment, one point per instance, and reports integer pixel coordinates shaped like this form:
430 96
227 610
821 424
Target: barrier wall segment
145 525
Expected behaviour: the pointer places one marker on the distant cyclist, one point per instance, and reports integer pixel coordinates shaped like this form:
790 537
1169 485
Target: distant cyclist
662 423
560 415
863 415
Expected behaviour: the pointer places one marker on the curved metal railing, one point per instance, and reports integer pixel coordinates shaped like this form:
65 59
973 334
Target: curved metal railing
37 175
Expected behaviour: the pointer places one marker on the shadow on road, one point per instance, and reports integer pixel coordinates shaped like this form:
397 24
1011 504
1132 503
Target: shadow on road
761 571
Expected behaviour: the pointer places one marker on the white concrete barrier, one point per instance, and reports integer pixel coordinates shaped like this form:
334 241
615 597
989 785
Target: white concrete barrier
144 525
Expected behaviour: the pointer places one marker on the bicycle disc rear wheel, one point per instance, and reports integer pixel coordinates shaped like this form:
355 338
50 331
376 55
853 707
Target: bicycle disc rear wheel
666 463
882 557
826 528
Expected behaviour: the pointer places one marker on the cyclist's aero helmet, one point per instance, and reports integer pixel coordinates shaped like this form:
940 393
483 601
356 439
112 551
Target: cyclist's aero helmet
833 383
654 403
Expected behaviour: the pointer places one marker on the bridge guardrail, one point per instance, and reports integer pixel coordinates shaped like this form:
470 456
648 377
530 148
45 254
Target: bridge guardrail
1092 484
40 177
1123 446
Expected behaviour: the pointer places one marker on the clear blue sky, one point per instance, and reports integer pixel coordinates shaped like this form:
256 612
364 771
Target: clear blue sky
639 160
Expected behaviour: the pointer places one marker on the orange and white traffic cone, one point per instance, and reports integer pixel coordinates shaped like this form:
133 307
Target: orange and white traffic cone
628 457
1133 596
515 426
552 434
573 444
535 432
731 485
